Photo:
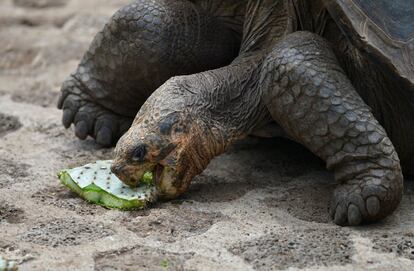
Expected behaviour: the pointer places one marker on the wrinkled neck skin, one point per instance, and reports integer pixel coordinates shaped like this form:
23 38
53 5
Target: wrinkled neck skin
225 105
227 102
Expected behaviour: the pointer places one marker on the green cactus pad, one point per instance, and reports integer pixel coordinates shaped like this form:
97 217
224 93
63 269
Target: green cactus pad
148 178
95 183
6 265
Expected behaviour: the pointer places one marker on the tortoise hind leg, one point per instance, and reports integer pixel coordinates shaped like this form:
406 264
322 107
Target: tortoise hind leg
142 45
309 95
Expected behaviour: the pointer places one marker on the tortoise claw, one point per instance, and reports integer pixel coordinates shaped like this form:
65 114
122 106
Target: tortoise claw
90 118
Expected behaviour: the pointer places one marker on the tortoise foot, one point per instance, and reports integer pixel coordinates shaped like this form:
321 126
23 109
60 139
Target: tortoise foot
362 201
89 117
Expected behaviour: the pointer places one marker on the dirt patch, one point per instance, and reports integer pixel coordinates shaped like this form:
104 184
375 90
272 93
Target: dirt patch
8 124
297 248
40 3
140 258
61 197
41 94
85 22
14 58
10 213
210 188
13 251
65 232
402 244
305 200
12 172
172 223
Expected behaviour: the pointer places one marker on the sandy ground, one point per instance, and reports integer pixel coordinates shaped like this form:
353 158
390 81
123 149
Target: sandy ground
261 206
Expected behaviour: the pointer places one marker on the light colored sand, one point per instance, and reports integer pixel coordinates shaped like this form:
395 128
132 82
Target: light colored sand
262 206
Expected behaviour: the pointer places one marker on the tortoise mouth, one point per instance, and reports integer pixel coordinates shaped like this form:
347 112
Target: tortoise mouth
157 173
134 176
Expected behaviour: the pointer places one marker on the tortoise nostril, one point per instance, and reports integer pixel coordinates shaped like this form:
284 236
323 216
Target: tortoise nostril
139 153
116 169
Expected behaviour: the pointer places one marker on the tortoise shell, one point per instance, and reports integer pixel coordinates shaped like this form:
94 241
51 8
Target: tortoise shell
381 27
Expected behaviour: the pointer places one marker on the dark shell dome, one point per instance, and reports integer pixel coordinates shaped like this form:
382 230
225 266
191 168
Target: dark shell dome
384 28
394 17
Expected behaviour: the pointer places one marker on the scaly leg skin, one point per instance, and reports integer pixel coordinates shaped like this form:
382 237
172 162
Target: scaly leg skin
309 95
143 45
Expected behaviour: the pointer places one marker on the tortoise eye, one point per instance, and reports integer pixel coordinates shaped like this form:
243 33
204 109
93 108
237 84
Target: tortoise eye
139 153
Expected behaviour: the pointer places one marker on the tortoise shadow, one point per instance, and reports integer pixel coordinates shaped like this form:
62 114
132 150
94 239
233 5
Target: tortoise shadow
295 179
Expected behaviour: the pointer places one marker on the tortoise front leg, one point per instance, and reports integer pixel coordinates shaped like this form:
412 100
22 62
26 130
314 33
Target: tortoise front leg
309 95
144 44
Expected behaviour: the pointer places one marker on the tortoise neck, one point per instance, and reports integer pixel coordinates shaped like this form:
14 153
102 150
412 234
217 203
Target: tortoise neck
226 105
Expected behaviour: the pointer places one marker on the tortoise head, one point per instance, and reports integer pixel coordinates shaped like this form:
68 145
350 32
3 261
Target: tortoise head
164 139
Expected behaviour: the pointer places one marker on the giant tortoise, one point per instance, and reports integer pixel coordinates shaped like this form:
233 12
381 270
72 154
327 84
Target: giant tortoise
337 76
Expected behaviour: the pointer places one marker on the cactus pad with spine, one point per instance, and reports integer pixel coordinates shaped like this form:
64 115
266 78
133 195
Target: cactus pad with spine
6 265
97 184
